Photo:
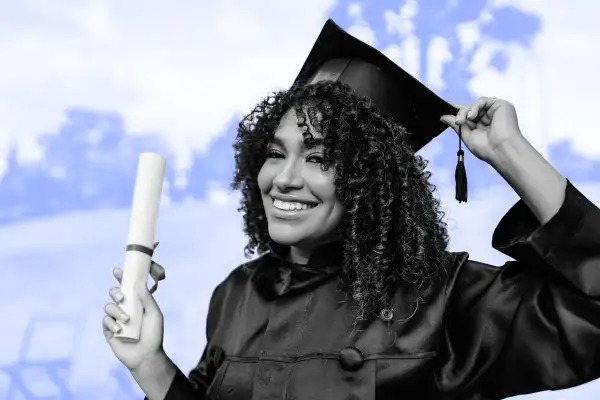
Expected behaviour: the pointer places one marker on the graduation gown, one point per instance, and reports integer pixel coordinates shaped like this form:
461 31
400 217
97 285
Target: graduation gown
285 331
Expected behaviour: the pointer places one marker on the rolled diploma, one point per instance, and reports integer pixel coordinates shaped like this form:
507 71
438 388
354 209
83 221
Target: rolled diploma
142 226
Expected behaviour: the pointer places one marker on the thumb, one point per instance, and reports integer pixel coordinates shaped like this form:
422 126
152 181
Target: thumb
450 120
148 301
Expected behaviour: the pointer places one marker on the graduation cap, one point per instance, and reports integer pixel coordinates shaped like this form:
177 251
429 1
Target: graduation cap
339 56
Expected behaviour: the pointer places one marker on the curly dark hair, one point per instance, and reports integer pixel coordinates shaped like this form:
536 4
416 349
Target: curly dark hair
393 230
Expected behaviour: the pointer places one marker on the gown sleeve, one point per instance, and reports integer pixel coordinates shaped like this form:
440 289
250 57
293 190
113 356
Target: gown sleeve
533 324
195 385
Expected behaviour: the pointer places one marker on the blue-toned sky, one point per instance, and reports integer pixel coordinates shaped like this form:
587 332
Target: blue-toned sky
86 86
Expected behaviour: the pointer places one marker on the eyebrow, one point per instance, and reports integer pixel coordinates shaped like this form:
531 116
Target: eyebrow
277 141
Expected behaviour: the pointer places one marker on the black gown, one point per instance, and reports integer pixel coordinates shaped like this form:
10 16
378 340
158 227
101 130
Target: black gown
285 331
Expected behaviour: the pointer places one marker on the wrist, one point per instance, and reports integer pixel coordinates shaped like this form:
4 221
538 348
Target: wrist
157 368
155 375
531 176
511 151
518 162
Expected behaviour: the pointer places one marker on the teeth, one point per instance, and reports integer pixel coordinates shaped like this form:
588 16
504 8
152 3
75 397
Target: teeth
290 206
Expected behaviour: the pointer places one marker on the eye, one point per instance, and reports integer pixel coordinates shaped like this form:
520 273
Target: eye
315 158
274 154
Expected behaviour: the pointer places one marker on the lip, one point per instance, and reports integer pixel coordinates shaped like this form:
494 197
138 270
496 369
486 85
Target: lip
292 198
290 215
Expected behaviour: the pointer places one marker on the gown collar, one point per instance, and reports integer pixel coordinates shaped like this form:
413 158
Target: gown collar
277 276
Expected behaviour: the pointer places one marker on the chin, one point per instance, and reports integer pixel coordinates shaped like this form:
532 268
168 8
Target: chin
288 238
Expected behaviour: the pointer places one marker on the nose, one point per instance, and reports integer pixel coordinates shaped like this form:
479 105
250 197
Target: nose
289 177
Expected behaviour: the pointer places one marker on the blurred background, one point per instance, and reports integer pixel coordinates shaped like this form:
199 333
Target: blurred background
87 85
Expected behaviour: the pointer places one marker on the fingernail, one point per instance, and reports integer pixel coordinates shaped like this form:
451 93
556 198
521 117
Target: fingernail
116 329
119 297
470 114
124 318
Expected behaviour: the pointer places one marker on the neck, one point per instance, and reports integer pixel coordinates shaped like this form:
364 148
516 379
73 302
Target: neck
299 255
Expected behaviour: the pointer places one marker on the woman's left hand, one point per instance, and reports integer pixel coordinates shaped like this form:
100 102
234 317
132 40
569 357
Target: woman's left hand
486 124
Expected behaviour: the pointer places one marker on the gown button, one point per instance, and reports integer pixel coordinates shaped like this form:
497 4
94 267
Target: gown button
351 359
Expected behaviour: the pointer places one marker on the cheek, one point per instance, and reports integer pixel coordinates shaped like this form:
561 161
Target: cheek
323 185
332 217
264 181
338 210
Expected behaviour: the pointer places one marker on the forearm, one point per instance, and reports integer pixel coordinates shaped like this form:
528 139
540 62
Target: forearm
155 376
532 177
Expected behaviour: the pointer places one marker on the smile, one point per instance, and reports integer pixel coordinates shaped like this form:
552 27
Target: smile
291 205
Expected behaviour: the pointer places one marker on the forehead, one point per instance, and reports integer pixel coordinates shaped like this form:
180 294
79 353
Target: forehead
289 131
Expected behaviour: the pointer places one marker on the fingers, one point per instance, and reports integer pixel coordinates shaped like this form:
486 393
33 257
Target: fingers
118 274
109 327
461 116
476 111
116 294
110 324
151 308
450 120
157 273
470 115
145 296
115 312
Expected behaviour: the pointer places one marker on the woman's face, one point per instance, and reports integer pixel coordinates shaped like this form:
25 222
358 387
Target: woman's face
299 198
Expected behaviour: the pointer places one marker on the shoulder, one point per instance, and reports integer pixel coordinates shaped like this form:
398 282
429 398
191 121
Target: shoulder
232 293
462 267
468 282
464 271
459 274
239 278
455 262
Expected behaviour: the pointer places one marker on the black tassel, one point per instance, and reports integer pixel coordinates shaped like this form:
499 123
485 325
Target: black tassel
460 176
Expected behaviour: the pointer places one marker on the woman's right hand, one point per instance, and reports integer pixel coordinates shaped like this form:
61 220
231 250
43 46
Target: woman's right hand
149 347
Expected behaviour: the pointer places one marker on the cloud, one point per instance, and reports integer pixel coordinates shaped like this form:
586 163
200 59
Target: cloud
552 81
407 53
360 28
182 71
438 54
402 22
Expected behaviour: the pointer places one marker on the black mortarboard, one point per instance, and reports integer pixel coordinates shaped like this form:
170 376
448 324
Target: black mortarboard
339 56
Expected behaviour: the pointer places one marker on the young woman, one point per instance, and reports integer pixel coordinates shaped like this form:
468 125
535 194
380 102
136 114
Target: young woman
354 295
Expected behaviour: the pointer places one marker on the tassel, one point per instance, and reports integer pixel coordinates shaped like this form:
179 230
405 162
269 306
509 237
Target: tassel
460 176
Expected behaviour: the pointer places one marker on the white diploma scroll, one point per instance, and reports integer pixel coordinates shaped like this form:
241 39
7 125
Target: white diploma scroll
142 226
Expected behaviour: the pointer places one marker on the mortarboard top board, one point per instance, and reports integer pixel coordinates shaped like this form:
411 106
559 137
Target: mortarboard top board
339 56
